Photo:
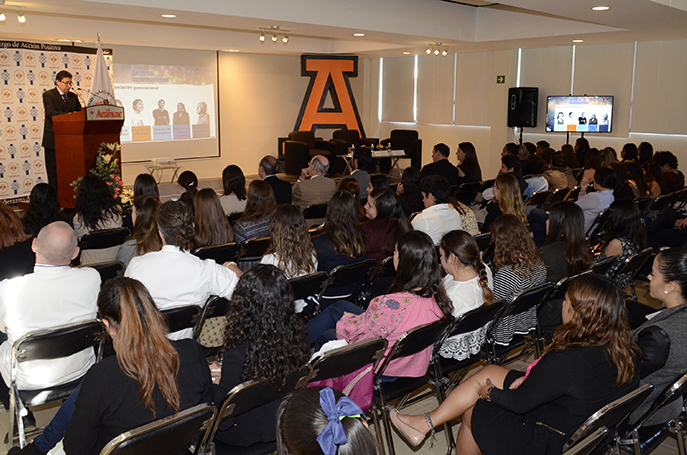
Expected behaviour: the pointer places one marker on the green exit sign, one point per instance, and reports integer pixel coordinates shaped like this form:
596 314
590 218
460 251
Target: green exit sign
501 79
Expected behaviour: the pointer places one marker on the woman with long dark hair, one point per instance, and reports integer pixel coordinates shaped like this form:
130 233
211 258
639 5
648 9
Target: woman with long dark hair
43 209
149 378
386 224
234 183
264 340
654 179
590 363
629 152
636 178
146 184
146 237
570 159
624 236
416 297
210 224
593 162
468 170
96 210
566 251
255 221
291 248
16 255
646 152
408 191
343 241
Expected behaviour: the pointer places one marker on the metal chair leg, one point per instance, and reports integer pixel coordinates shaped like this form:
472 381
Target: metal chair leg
378 429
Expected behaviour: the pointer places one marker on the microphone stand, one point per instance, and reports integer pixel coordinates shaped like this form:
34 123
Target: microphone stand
105 100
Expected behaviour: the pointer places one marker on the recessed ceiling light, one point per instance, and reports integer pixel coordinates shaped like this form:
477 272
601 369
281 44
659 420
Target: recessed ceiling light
65 40
578 41
601 8
358 34
230 50
406 53
170 16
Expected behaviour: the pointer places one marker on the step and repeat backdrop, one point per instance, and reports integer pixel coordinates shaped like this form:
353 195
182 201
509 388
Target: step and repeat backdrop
26 71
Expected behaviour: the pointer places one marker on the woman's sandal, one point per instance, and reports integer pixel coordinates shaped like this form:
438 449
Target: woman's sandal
413 436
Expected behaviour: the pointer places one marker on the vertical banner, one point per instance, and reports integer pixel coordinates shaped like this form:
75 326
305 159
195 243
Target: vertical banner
26 71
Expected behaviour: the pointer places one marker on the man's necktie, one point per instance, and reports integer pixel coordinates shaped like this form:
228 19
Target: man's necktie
64 97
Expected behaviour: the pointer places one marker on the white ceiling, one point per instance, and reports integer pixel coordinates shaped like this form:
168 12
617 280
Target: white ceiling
327 26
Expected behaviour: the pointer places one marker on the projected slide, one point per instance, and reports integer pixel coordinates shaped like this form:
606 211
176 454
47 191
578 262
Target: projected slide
166 103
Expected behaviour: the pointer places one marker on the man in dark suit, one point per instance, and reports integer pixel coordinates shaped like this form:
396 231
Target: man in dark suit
56 101
441 165
266 170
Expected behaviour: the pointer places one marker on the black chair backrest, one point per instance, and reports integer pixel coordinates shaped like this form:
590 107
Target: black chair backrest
611 415
229 252
601 267
344 275
215 307
644 205
485 185
665 201
573 194
477 318
466 192
254 249
561 287
181 318
634 263
307 285
597 228
315 211
108 270
57 343
557 196
529 298
383 278
588 444
105 238
539 199
315 231
347 359
165 436
483 241
414 341
670 394
234 217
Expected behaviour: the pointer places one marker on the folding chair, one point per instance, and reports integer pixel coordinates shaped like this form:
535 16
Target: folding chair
557 196
307 285
317 211
234 217
182 318
596 230
229 252
346 281
215 307
380 283
539 199
610 416
588 444
644 205
411 342
315 231
485 185
483 241
644 439
573 194
254 249
602 267
347 359
108 270
165 436
46 345
98 240
633 265
467 192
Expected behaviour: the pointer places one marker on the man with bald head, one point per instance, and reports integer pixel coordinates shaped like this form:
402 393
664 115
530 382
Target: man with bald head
53 295
267 170
313 187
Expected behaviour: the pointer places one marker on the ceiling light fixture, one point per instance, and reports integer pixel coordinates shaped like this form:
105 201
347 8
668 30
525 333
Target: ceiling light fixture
275 31
169 16
578 41
429 50
601 8
285 39
21 18
274 38
262 37
406 53
2 17
358 34
436 49
444 52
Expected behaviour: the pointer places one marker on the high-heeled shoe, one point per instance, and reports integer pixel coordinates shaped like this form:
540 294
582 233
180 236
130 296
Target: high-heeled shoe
412 436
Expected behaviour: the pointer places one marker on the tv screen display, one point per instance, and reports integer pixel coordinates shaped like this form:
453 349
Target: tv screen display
579 114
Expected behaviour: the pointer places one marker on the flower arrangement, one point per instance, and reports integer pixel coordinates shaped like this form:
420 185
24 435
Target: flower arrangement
107 168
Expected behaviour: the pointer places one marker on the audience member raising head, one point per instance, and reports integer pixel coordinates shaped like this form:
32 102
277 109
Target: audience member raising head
234 198
306 422
255 221
387 223
16 256
468 167
146 184
211 226
291 248
146 237
43 209
408 191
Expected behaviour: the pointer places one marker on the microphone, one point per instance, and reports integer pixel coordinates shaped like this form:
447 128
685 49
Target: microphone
81 100
105 100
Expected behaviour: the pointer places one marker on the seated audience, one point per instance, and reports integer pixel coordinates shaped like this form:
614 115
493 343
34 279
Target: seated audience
623 189
173 276
624 236
559 175
146 237
255 221
468 284
537 183
377 181
507 200
96 210
440 165
234 198
408 191
541 145
629 152
608 157
386 224
605 180
16 255
353 187
590 363
662 337
416 297
581 149
532 164
654 179
43 209
594 162
52 296
646 152
361 163
264 339
438 217
146 184
636 178
511 165
291 248
313 187
211 226
307 422
343 241
267 172
570 158
675 180
468 167
188 182
510 148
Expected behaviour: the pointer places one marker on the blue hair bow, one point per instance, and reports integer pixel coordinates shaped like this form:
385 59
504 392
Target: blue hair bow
333 434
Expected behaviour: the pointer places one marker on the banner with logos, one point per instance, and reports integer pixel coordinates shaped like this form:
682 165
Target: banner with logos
26 71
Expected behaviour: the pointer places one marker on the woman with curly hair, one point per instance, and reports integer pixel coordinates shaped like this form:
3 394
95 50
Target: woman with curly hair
264 340
507 200
590 363
290 247
43 209
96 210
343 241
624 236
146 237
255 221
408 191
210 224
386 224
16 255
234 182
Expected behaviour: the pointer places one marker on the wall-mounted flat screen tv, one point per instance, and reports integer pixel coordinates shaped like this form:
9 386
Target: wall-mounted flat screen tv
579 114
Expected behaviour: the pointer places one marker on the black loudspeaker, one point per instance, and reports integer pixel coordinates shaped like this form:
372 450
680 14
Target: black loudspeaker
522 106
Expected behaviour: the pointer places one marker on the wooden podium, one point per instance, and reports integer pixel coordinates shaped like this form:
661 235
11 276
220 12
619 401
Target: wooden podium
77 139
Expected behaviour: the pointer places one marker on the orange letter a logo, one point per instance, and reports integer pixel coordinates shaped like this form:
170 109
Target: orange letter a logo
329 76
